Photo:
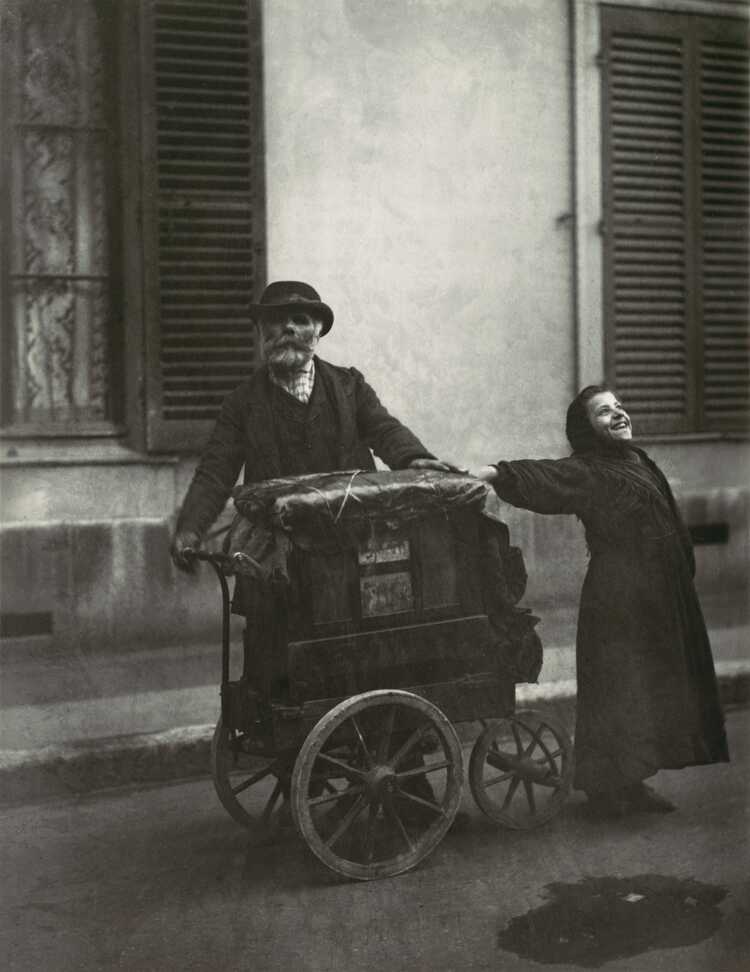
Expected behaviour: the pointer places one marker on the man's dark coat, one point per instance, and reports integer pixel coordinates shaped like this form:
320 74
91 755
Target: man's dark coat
247 435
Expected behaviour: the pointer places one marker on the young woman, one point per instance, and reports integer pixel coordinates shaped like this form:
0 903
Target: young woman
647 692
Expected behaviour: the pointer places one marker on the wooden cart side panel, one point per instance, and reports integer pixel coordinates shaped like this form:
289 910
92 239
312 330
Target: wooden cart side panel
469 699
436 575
390 658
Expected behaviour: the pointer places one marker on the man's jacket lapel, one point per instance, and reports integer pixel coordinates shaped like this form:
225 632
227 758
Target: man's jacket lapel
263 460
346 410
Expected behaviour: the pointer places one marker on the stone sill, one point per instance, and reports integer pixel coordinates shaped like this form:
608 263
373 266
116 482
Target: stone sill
684 438
80 453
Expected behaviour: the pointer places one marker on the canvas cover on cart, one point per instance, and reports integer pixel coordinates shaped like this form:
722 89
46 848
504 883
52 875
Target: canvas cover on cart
343 510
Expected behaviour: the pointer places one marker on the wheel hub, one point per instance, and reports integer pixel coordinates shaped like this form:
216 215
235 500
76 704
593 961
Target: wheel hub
380 780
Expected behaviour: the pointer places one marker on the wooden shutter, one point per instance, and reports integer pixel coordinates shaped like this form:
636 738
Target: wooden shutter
675 227
204 215
724 229
645 192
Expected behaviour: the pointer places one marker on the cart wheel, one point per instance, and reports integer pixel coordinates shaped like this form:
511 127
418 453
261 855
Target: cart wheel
377 784
250 786
521 769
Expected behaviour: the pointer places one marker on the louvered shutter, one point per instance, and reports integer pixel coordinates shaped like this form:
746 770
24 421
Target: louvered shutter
204 213
724 230
645 192
675 227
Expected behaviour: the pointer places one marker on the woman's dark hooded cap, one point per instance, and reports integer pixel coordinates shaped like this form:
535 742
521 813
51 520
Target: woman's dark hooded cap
578 427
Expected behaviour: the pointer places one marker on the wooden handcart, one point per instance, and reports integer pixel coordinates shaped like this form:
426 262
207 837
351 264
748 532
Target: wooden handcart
376 623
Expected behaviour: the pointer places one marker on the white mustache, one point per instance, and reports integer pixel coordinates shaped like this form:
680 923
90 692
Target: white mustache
290 343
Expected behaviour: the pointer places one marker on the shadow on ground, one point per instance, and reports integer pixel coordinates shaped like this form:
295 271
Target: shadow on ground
598 920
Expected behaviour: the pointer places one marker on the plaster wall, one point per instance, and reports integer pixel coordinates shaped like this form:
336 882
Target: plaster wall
418 174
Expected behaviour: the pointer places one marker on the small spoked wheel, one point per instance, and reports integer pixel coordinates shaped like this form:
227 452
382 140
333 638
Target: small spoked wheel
253 788
377 784
521 769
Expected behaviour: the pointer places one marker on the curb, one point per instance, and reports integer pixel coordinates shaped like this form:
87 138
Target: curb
73 769
27 776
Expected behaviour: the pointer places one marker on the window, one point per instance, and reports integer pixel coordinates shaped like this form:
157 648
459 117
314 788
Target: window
132 202
57 283
675 198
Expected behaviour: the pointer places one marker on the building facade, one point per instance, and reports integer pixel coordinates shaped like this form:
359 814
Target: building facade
502 201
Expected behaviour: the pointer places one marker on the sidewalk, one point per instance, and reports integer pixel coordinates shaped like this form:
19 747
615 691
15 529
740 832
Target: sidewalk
80 723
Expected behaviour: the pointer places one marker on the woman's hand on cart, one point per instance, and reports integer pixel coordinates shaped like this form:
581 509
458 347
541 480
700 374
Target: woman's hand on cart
486 473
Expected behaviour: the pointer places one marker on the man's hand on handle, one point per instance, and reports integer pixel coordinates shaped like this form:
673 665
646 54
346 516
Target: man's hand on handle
185 543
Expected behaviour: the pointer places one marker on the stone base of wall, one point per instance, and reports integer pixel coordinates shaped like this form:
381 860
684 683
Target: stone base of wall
100 586
105 585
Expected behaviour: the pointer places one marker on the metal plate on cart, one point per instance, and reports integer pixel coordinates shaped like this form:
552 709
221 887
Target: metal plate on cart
385 582
385 551
386 594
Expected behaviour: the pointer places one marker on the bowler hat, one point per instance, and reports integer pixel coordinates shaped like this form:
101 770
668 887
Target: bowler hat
293 295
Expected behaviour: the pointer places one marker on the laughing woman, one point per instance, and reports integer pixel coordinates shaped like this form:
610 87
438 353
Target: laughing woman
647 692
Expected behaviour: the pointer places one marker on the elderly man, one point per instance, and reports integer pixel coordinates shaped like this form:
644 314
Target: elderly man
297 414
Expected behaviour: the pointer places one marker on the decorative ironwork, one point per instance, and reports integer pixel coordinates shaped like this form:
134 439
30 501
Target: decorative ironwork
48 227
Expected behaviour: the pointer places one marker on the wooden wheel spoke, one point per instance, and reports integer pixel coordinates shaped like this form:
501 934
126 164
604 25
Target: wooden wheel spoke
423 770
407 747
497 779
346 770
548 755
252 780
502 761
369 842
553 777
514 765
348 820
413 798
384 742
531 799
362 743
517 737
392 813
535 741
544 761
336 795
271 803
325 780
511 792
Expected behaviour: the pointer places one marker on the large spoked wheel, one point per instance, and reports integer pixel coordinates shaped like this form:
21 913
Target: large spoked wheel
252 788
521 769
377 784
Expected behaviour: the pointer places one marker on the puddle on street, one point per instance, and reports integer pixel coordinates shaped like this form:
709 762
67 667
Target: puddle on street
601 919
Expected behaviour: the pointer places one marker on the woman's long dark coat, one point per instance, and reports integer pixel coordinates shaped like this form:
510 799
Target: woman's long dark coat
647 692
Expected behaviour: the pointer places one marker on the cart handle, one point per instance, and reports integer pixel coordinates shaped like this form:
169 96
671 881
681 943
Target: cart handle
227 563
219 562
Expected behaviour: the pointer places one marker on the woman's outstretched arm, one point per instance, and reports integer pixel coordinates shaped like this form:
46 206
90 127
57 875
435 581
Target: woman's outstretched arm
542 485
